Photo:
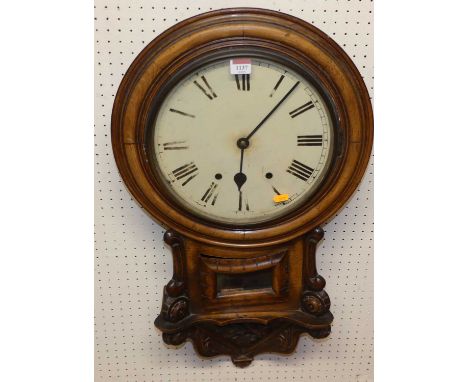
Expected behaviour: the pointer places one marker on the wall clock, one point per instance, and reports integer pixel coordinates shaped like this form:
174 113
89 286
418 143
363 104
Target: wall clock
242 131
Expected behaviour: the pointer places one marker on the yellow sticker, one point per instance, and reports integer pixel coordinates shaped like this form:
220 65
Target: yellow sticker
280 198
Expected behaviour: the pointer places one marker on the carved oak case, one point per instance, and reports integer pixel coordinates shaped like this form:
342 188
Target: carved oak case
245 280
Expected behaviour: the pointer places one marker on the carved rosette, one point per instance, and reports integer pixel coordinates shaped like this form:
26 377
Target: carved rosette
175 304
314 299
316 303
243 340
174 309
178 310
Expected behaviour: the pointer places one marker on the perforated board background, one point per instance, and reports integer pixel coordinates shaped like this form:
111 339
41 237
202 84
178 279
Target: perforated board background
132 263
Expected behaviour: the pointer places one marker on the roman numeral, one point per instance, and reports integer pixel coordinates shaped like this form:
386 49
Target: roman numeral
176 145
300 170
184 171
243 202
307 106
209 93
277 85
309 140
245 82
182 113
209 193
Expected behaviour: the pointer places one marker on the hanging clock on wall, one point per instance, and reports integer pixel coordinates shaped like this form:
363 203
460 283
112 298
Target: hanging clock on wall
242 131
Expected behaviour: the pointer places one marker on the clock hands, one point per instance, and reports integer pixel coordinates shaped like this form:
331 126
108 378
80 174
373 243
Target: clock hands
240 178
270 113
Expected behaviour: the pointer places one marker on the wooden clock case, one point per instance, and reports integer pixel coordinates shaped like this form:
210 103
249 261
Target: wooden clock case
246 289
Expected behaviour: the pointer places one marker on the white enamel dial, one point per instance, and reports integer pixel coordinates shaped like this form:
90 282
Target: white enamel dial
273 121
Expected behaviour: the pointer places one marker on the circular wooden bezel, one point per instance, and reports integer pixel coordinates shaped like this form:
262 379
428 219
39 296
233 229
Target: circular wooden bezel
221 51
200 38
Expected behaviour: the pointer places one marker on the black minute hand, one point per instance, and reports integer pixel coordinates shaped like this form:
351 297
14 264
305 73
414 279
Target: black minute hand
240 178
272 111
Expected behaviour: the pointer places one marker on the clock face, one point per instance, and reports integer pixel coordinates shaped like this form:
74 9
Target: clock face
245 148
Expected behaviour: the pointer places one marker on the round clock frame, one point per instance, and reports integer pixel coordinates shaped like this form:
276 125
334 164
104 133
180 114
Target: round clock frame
233 33
283 294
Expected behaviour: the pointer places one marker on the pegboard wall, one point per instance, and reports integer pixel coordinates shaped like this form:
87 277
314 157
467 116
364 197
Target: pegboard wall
132 264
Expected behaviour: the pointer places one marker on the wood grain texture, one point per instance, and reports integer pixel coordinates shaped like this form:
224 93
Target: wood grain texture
207 37
248 322
255 321
243 341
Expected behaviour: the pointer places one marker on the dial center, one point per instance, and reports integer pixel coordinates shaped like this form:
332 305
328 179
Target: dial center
243 143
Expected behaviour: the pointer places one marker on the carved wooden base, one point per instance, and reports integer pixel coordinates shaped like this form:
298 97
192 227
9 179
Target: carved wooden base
243 341
248 322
